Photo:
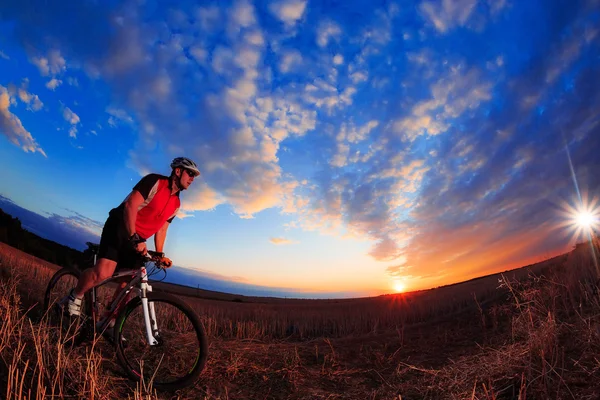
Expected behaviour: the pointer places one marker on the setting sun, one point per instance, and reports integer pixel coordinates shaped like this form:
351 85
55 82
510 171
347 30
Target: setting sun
399 287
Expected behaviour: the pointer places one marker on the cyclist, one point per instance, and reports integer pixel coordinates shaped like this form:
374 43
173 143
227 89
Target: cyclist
146 211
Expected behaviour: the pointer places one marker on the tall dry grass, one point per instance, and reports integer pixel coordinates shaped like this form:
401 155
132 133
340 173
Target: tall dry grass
37 361
540 339
550 347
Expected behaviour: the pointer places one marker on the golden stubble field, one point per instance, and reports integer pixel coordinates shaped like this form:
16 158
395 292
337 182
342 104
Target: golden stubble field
533 333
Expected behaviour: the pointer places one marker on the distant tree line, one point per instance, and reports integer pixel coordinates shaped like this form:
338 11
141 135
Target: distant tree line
13 234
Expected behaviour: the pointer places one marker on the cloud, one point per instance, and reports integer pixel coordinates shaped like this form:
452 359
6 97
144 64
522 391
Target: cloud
73 119
338 59
208 18
359 76
451 96
118 115
32 100
348 135
326 31
53 83
290 60
280 241
447 14
77 221
3 55
52 65
11 126
73 230
70 116
288 11
201 198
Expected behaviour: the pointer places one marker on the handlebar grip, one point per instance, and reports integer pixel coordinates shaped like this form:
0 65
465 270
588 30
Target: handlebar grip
156 254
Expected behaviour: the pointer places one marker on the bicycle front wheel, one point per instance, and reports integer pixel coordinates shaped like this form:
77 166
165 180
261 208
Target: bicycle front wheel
180 355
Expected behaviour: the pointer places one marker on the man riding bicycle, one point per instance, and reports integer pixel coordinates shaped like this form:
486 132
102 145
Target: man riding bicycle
146 211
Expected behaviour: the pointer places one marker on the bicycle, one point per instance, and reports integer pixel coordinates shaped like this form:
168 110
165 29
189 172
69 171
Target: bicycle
145 325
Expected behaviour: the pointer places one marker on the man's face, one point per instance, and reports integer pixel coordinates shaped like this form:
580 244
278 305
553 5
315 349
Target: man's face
186 178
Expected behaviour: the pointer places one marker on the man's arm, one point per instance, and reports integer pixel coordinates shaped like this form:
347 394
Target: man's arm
160 236
133 202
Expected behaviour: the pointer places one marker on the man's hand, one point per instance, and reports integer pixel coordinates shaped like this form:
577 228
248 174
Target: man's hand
165 262
138 244
141 248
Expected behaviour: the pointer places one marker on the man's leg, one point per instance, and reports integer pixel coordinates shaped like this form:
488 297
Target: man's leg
103 269
121 285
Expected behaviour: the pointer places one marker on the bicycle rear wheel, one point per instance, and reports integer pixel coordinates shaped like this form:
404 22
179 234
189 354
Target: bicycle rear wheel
181 354
74 330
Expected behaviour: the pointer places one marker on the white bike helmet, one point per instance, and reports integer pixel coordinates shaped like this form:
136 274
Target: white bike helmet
183 162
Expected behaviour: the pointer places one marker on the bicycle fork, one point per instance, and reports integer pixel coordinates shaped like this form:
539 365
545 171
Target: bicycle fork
149 312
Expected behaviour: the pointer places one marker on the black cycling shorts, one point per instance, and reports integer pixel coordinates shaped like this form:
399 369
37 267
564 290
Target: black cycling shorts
114 244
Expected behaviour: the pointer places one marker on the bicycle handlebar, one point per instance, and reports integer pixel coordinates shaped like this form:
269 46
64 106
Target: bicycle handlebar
155 257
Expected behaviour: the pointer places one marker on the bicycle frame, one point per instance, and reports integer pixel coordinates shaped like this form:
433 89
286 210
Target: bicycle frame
140 282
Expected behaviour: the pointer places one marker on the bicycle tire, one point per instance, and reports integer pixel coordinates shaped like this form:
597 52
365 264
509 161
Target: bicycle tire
132 370
83 333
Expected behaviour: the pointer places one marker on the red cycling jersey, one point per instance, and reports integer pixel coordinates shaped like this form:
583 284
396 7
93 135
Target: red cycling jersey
159 204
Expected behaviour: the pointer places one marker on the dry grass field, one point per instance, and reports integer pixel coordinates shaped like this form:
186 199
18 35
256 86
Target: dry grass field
533 333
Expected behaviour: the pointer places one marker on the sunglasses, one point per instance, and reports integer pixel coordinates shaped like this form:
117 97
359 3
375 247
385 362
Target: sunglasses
191 173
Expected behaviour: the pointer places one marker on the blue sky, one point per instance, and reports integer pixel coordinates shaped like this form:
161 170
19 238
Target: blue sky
347 147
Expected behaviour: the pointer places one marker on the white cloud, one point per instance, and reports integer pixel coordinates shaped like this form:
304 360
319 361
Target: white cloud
3 55
201 198
70 116
73 119
327 30
32 100
199 54
280 241
222 59
447 14
288 11
338 59
118 115
208 18
290 59
11 126
53 83
53 64
350 134
256 38
242 16
359 76
451 96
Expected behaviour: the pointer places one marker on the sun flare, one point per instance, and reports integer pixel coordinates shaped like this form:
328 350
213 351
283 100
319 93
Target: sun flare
581 217
585 219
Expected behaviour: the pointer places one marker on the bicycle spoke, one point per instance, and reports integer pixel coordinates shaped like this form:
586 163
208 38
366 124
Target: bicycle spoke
180 354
